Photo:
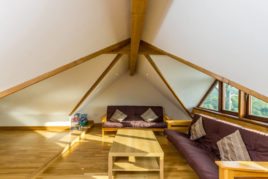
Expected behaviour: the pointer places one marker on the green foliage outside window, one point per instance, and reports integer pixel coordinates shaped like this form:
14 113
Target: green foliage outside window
212 100
230 98
259 107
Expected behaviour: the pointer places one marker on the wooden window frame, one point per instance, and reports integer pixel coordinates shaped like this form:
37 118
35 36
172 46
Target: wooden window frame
244 102
223 101
206 95
248 111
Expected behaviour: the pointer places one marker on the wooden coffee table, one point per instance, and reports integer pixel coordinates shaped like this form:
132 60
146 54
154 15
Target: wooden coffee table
135 150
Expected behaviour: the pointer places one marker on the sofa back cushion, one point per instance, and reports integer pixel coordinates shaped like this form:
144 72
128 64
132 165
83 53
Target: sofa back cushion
134 112
256 142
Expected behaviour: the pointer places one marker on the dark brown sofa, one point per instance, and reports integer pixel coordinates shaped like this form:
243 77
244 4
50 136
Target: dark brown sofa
133 119
202 154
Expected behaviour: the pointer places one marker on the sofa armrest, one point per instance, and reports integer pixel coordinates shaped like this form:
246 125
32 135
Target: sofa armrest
232 169
166 118
180 125
104 119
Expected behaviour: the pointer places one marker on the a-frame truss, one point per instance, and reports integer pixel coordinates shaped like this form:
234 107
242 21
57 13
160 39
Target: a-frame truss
63 68
209 73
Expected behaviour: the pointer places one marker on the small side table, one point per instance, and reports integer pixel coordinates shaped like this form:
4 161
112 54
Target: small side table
234 169
179 125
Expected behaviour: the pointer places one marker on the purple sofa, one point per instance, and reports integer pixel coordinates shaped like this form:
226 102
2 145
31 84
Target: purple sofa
202 153
134 119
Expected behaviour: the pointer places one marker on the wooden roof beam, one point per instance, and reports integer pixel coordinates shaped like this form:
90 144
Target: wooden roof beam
63 68
97 82
138 8
168 85
210 73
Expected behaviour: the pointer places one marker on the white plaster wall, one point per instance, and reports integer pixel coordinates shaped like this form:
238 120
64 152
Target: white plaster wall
39 36
129 90
227 37
49 102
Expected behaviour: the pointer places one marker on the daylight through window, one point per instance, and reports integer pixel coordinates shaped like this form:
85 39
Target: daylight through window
230 98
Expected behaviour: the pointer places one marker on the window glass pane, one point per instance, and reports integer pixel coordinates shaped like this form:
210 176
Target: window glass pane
230 98
212 100
259 107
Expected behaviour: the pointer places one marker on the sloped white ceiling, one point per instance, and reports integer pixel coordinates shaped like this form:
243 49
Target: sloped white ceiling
50 101
189 84
226 37
39 36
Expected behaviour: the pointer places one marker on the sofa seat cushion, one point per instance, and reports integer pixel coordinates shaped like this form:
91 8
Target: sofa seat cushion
134 124
202 161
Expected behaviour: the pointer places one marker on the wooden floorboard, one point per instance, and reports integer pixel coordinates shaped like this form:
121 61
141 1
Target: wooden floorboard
89 160
22 152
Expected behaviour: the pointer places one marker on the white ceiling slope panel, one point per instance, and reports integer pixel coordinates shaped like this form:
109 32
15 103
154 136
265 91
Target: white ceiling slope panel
118 70
147 71
48 103
39 36
189 84
226 37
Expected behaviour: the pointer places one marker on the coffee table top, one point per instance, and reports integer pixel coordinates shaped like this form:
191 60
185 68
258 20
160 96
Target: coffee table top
135 142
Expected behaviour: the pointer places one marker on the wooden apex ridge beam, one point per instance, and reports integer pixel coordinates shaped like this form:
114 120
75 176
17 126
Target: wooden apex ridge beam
138 9
91 89
167 84
209 73
63 68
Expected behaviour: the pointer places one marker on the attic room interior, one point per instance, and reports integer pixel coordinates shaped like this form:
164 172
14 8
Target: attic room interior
98 89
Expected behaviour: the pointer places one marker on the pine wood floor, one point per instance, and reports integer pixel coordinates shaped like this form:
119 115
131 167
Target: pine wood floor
23 152
89 160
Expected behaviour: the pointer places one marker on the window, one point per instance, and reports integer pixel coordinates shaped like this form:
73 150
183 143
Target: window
212 100
230 98
258 107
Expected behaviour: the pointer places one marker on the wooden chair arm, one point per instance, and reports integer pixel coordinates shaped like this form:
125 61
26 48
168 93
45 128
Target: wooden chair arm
232 169
104 119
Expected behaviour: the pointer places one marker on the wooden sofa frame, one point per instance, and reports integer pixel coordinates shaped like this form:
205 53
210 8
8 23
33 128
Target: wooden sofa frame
104 119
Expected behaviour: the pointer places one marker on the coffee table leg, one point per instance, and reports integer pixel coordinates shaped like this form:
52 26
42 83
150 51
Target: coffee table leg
161 165
110 166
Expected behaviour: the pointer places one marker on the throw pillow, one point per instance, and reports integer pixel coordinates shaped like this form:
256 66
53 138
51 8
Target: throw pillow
197 130
149 115
118 116
233 148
